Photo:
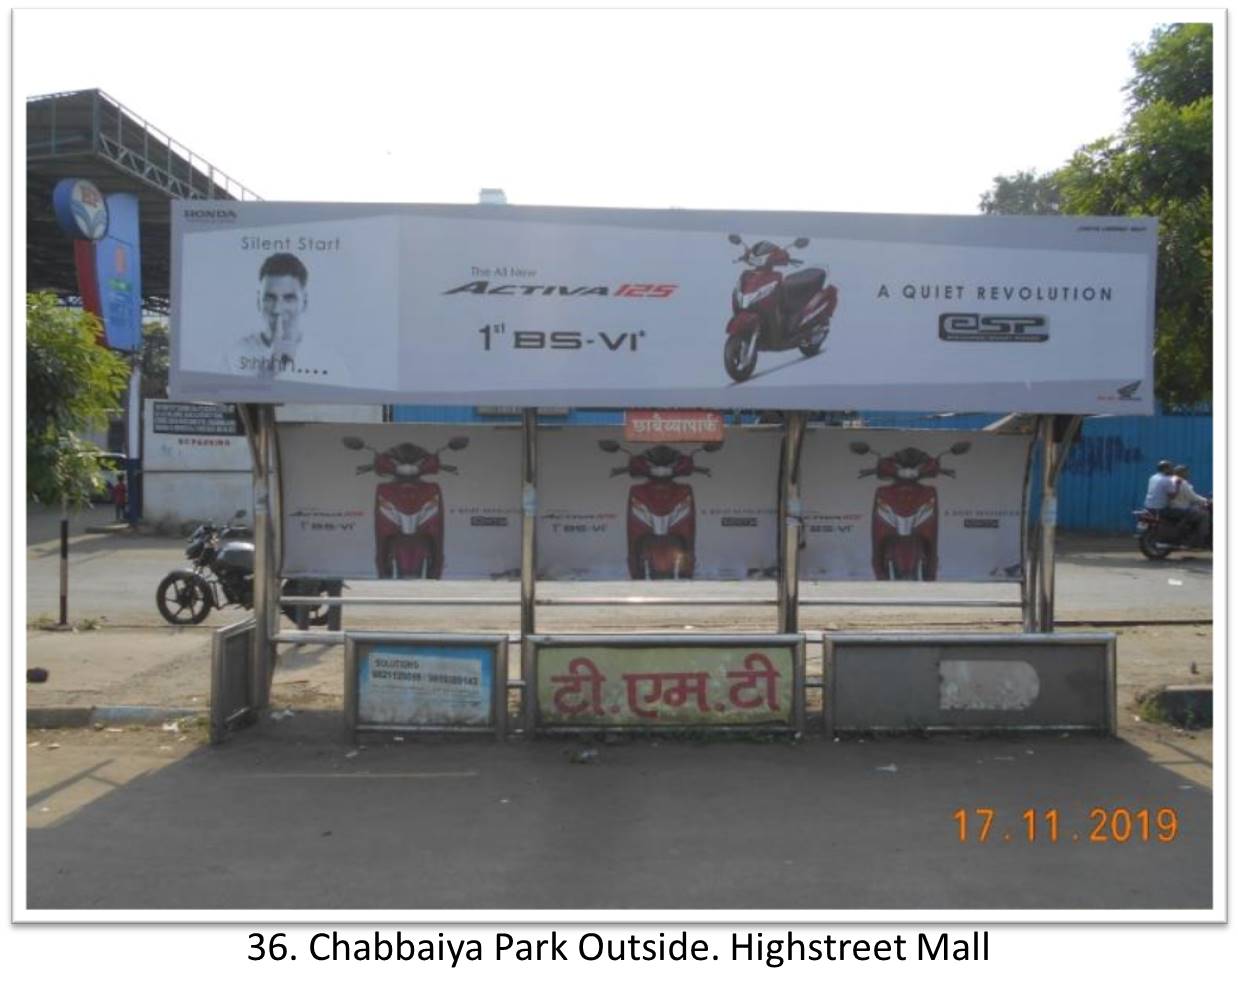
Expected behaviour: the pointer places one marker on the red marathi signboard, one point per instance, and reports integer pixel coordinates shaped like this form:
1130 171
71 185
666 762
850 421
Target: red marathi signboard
601 685
652 426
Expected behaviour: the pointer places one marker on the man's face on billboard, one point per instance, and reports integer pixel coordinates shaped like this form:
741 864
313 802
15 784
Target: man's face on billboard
281 300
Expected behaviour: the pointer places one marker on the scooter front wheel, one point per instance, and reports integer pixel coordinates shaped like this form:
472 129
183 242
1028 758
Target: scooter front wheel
739 356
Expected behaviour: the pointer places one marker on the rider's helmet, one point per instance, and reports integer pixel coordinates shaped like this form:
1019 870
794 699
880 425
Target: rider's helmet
1165 467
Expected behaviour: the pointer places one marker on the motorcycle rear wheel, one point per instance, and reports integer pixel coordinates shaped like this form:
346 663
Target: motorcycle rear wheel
305 616
183 599
812 345
1151 549
739 356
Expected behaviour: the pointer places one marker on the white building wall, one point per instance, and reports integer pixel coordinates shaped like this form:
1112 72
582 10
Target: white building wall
192 476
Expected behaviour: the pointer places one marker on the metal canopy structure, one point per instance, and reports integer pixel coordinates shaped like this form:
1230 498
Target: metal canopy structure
88 134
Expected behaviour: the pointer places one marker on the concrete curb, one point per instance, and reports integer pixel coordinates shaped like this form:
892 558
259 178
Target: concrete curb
55 717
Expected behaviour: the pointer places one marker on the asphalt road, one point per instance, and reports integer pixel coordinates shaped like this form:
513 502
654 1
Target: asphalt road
113 577
290 815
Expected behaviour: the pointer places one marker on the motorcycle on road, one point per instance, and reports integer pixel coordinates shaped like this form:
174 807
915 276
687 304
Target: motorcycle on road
1159 536
223 574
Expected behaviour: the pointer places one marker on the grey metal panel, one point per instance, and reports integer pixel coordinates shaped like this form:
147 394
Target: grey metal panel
912 682
232 682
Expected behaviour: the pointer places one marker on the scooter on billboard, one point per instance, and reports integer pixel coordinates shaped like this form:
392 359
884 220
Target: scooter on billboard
905 511
661 511
773 312
408 511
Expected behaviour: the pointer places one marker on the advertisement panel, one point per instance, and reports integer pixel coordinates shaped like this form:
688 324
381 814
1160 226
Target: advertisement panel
589 307
400 500
424 686
609 510
912 505
432 682
744 682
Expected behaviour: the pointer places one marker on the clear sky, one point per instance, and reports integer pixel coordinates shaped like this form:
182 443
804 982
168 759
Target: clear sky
892 111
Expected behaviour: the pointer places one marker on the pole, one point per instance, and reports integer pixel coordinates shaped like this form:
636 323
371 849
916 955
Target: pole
64 564
528 523
1029 538
1058 435
792 511
1048 525
133 510
255 419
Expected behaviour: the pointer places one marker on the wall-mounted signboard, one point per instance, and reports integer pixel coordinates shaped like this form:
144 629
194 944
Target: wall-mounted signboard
657 682
425 682
502 305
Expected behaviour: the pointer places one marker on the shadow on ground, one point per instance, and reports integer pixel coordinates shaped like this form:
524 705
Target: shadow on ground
292 815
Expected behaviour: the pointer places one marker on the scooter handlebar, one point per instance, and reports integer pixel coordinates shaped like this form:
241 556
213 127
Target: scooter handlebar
945 471
868 473
795 262
702 470
448 468
365 468
616 471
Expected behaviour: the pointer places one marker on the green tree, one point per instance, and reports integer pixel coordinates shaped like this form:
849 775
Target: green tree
72 384
154 359
1160 165
1023 193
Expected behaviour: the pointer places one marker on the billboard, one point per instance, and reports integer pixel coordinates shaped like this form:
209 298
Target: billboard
912 505
500 305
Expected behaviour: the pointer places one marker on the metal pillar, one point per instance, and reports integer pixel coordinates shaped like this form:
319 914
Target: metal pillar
790 511
1057 435
1029 588
528 523
259 422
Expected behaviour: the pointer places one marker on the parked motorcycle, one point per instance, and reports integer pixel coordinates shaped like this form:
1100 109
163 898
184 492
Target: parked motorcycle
905 511
1158 536
773 312
408 511
223 574
661 511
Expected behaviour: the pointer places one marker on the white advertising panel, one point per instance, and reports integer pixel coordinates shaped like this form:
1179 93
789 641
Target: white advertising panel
657 510
500 305
400 500
900 504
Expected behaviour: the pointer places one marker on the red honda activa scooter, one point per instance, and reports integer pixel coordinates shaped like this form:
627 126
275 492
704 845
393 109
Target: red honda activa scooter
905 512
408 512
773 312
661 511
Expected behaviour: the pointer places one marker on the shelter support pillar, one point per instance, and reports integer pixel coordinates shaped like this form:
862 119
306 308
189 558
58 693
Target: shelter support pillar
1030 539
528 523
259 422
1057 433
790 513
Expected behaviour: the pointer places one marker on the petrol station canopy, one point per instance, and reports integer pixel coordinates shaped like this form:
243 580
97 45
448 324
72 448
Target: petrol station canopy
532 306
